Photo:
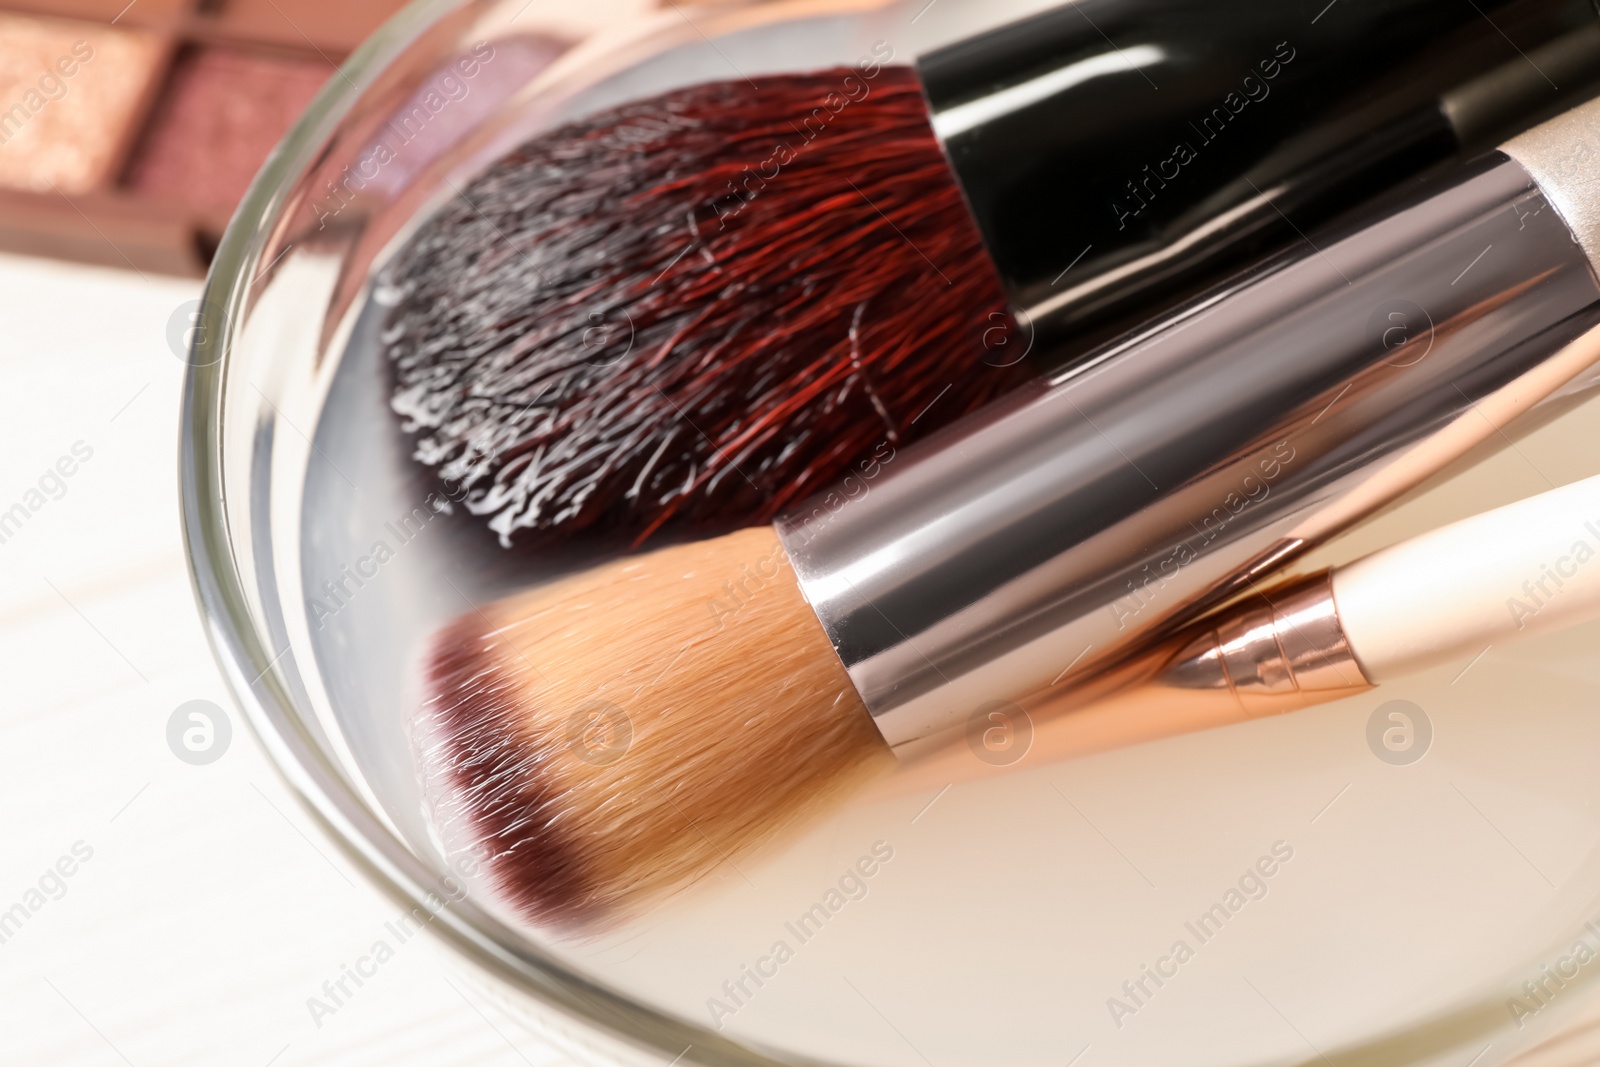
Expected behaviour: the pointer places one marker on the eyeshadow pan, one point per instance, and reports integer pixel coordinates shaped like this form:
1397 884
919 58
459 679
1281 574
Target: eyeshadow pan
68 92
131 129
340 25
147 13
222 113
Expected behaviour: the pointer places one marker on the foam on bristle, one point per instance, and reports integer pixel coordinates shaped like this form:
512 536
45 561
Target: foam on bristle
605 739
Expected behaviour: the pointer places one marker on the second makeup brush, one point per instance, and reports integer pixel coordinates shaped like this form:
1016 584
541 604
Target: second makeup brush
1449 595
1513 572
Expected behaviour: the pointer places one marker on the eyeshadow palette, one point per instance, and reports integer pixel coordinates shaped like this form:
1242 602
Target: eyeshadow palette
130 131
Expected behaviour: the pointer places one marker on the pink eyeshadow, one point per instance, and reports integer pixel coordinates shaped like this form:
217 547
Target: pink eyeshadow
67 91
220 116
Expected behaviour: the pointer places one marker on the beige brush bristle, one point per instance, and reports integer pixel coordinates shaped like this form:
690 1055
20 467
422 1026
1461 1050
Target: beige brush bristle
604 739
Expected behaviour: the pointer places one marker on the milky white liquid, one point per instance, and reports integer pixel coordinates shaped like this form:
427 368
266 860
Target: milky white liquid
1017 919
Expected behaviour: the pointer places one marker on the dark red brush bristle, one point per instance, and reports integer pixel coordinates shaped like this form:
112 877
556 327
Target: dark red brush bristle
608 333
488 783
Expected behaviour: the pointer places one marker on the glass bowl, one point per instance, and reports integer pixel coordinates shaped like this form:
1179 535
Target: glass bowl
1025 918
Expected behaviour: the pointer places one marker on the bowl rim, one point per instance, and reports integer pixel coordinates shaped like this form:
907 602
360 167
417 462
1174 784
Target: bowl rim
251 669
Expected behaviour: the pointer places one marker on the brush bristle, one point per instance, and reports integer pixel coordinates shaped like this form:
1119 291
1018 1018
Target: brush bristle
693 311
602 740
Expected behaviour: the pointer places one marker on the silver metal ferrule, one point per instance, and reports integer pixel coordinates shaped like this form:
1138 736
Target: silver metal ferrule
1065 528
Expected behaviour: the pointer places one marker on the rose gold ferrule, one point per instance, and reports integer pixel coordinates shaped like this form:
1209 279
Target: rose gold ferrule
1275 652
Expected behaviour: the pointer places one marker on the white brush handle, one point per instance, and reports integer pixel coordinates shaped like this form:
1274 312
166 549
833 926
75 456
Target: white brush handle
1524 568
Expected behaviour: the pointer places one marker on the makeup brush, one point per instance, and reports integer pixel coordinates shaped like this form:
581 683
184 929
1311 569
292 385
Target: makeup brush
696 309
761 727
1451 594
623 731
1482 582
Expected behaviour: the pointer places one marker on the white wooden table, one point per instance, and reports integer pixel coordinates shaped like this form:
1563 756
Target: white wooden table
208 910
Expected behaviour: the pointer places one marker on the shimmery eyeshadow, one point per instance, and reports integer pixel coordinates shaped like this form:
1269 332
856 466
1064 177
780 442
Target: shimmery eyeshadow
68 91
218 119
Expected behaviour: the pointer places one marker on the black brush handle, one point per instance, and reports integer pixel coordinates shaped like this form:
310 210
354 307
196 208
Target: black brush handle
1119 154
